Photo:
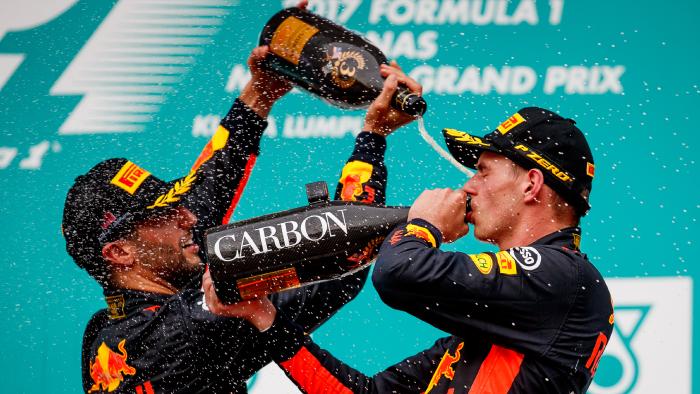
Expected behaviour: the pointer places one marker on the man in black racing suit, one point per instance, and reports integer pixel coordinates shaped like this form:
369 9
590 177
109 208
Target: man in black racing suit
533 317
140 238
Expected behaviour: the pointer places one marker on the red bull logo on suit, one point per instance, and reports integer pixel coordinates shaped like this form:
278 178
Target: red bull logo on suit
109 368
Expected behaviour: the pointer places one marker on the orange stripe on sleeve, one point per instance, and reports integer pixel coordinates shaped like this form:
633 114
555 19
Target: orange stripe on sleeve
147 385
497 372
311 376
241 186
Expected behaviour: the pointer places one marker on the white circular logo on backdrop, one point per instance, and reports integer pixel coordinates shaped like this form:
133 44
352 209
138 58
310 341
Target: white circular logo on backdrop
527 257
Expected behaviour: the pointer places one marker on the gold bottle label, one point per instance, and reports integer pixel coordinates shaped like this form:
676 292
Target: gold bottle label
290 38
267 283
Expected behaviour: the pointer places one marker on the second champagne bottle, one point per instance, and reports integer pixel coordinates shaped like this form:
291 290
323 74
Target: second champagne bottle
330 61
322 241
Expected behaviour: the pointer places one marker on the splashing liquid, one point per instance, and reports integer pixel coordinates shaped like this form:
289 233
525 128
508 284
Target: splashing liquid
440 151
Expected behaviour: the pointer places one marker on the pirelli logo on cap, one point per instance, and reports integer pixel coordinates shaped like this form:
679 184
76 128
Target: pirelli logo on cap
590 169
130 177
511 122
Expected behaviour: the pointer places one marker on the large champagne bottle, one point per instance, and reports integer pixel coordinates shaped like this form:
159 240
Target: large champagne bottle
324 240
330 61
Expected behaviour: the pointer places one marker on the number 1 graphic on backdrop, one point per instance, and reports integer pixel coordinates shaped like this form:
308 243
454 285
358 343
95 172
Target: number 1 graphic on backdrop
21 15
124 89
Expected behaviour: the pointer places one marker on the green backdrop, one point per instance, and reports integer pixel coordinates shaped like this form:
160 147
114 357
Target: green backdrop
81 81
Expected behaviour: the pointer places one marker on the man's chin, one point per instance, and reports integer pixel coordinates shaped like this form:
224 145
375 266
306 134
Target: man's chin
195 261
189 279
476 230
190 270
194 266
482 236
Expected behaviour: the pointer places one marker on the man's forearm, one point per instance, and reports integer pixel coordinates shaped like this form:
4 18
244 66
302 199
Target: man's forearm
257 100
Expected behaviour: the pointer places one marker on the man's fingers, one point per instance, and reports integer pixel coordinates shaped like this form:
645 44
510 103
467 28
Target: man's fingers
461 232
388 69
303 4
412 85
209 292
257 56
388 90
259 53
206 278
392 64
460 196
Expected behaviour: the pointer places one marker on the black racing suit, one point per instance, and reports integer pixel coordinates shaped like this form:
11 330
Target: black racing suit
154 343
533 319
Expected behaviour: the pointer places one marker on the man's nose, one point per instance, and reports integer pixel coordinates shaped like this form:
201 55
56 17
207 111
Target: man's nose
186 218
469 187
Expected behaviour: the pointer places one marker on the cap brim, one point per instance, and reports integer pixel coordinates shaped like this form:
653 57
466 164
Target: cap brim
157 198
466 148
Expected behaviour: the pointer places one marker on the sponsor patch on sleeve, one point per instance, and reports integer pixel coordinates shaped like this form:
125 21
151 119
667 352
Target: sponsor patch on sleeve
527 257
444 368
506 263
217 142
420 232
577 240
483 262
398 234
353 178
115 306
130 177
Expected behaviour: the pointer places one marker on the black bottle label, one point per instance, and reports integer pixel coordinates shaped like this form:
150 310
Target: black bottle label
296 247
343 63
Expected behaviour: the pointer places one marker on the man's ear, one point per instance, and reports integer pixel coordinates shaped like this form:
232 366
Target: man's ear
534 181
121 253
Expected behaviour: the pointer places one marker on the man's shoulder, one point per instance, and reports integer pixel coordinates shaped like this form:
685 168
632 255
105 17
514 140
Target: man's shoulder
150 341
127 311
147 321
97 323
567 259
543 258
